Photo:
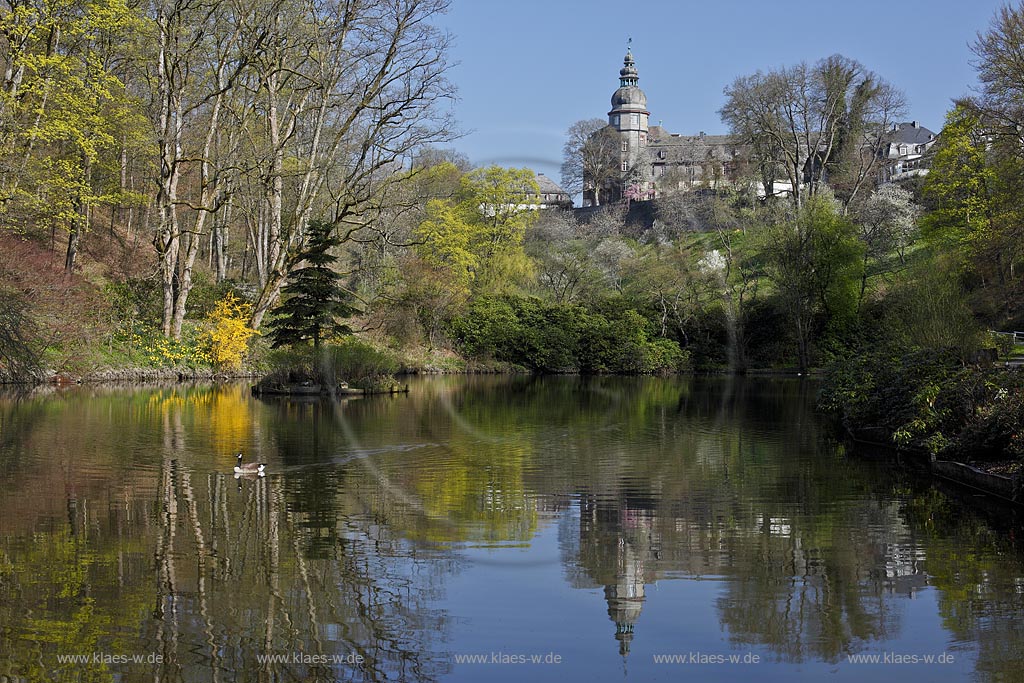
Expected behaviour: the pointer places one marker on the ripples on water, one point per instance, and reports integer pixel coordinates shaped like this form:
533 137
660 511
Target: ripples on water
605 521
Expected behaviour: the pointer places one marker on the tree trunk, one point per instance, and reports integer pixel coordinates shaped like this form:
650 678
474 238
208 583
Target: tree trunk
80 223
69 257
184 285
802 344
266 298
168 235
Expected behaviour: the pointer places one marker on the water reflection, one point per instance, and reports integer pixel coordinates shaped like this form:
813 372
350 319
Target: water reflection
689 514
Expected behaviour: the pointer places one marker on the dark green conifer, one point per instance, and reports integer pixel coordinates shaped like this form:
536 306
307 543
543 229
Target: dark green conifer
314 299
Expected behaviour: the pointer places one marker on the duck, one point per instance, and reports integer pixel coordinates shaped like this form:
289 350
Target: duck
249 467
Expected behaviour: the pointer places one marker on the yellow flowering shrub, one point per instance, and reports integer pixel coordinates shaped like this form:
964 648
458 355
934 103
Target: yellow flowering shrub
229 335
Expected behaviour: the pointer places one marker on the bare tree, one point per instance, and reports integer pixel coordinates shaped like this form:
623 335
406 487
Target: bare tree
590 158
344 94
1000 65
19 353
874 106
197 64
563 251
812 122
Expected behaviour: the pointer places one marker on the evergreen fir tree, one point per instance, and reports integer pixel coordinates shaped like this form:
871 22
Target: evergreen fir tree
314 299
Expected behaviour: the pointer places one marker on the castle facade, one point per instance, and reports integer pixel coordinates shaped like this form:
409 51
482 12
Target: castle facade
652 161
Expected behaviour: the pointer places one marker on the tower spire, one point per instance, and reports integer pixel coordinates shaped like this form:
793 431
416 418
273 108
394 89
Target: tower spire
628 75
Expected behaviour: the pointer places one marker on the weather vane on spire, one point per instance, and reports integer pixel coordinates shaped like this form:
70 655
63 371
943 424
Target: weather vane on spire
629 44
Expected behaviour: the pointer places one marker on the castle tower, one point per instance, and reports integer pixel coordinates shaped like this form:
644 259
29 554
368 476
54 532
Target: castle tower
629 116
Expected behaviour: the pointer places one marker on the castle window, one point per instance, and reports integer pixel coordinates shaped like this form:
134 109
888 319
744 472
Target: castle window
634 119
625 145
625 166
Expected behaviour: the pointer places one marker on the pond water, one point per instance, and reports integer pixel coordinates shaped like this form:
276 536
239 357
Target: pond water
486 528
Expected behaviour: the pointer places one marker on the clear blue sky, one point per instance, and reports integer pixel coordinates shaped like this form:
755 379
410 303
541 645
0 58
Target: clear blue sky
528 69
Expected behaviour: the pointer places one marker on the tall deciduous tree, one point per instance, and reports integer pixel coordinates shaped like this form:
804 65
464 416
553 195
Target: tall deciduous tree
479 238
590 158
271 112
1000 52
64 111
343 94
196 65
999 108
972 194
959 189
813 260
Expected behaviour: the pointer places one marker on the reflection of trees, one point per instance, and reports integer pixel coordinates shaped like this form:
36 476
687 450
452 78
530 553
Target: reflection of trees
738 487
262 566
712 477
240 568
810 586
20 415
976 565
465 484
346 546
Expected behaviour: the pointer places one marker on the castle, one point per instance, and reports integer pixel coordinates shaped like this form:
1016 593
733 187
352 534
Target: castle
652 160
650 156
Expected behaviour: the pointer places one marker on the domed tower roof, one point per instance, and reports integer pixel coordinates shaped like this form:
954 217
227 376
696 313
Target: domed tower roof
629 97
628 75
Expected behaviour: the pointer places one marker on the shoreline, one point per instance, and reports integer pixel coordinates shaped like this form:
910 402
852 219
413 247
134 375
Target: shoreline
1007 488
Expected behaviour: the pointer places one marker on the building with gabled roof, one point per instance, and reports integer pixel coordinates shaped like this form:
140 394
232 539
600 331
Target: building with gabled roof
550 195
907 152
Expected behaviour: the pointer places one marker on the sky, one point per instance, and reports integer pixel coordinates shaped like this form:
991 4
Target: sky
528 69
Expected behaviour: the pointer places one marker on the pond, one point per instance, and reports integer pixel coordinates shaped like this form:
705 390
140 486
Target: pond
486 528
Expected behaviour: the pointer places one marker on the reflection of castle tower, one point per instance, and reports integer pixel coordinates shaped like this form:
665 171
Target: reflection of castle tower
626 597
614 538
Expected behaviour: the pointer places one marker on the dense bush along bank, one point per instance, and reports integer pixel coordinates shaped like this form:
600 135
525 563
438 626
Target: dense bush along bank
931 402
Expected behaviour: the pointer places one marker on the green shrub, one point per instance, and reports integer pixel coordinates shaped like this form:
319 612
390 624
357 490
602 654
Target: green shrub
546 337
356 362
292 365
344 360
205 294
1003 343
664 355
928 400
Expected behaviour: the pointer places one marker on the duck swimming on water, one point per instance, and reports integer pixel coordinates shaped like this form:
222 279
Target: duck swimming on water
249 467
